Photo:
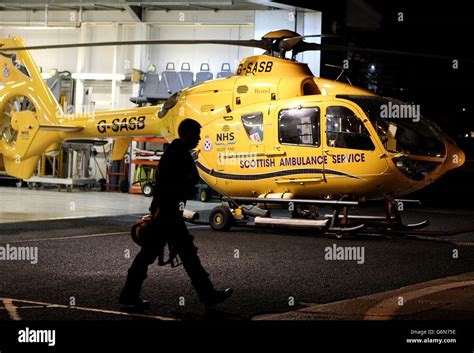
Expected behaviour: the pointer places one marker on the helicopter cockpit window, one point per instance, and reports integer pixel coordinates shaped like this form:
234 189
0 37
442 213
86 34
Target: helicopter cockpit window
253 124
345 130
299 126
410 134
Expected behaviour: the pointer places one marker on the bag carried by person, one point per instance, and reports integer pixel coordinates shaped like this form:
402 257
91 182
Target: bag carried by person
141 230
146 232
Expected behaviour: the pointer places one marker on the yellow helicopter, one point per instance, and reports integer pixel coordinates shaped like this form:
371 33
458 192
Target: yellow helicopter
272 133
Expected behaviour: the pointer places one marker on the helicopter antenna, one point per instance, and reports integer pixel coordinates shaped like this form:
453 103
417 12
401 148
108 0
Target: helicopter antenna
341 73
338 67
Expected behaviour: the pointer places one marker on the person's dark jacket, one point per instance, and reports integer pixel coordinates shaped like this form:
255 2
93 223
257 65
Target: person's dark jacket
176 177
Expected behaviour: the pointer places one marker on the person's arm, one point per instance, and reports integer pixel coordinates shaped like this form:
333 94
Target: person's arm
191 176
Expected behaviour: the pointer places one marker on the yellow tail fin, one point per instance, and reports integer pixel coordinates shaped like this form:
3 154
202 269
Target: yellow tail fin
28 111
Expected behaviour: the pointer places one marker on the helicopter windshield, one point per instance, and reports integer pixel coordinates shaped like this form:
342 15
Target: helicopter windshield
400 126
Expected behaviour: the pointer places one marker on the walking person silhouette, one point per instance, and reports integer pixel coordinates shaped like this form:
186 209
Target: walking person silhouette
175 183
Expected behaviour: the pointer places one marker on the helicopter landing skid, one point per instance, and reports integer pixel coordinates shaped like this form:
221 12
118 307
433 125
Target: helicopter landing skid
236 213
323 225
381 222
339 232
392 221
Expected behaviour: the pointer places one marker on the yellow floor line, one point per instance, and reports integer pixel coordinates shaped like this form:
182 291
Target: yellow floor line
27 307
11 309
386 309
102 311
463 243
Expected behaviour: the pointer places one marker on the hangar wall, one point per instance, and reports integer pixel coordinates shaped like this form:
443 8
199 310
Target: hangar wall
97 26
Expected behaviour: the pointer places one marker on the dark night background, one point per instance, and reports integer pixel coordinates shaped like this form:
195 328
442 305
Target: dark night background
444 93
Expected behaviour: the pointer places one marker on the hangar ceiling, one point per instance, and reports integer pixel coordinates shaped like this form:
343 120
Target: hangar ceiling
138 7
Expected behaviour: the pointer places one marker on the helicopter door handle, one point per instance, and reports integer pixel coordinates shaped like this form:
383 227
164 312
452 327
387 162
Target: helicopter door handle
275 153
327 152
397 155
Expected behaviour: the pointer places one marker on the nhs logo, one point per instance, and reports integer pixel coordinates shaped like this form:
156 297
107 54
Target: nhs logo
225 137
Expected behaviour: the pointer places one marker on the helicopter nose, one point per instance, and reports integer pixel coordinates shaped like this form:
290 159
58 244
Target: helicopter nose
455 157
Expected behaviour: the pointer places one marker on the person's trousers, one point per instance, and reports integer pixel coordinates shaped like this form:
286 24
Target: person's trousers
184 246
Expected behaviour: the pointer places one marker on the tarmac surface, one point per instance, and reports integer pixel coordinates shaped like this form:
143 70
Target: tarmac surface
277 274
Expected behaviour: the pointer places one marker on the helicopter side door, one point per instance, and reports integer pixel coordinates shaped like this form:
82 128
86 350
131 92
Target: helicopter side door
239 150
301 161
239 140
348 144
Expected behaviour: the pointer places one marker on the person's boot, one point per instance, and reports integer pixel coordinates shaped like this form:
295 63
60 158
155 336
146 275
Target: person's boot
216 297
130 297
204 287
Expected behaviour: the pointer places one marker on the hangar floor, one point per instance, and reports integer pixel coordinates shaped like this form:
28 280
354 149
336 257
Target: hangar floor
21 204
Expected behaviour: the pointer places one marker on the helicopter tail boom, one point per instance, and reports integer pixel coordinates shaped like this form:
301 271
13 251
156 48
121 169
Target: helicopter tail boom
32 122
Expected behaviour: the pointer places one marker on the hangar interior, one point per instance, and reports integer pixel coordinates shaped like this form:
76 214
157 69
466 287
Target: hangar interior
104 78
364 217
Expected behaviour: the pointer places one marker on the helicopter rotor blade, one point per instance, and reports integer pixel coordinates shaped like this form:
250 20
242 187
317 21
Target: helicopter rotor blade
290 43
262 44
305 46
296 44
